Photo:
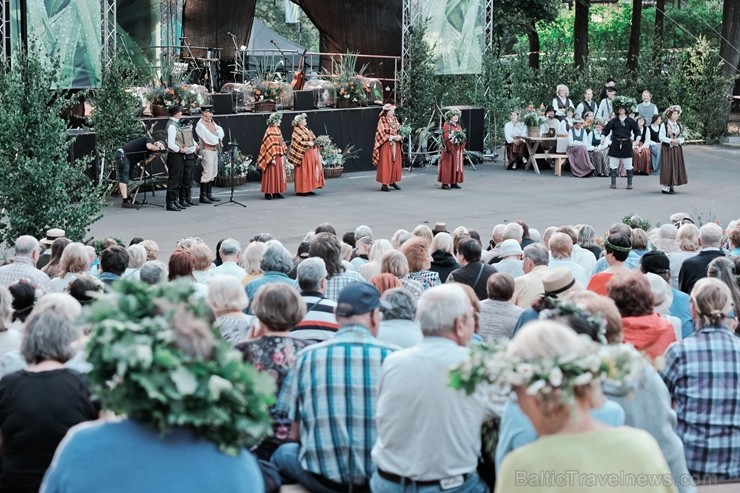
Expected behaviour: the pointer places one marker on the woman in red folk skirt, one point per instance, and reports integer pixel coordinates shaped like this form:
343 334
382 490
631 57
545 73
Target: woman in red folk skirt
451 162
387 152
271 159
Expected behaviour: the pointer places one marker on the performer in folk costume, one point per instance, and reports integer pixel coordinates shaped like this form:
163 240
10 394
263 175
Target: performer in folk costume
578 144
142 149
387 152
516 149
672 167
305 158
599 149
623 131
561 102
211 138
451 162
641 158
180 145
271 159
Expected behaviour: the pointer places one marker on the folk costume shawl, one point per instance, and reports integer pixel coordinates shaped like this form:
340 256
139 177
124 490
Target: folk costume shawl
273 145
387 126
299 144
448 146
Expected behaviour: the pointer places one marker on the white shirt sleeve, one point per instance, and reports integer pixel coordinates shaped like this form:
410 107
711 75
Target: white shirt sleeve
171 134
663 136
579 110
205 135
509 132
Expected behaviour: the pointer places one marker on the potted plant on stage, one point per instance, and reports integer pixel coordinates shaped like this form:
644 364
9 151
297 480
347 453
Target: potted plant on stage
532 119
240 163
267 88
161 98
332 157
352 88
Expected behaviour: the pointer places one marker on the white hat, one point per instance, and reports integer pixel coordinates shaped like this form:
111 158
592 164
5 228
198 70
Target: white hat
51 235
510 247
662 293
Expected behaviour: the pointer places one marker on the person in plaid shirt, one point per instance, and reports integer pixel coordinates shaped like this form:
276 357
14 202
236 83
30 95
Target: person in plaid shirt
702 372
27 252
330 394
327 247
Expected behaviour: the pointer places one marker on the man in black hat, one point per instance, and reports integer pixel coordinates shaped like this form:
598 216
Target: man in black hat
131 153
658 263
210 137
180 144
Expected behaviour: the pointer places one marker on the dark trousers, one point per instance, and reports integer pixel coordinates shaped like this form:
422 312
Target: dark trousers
175 165
188 170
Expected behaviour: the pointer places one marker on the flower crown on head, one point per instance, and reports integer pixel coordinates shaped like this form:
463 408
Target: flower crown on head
625 102
674 108
298 118
567 308
491 368
449 114
275 118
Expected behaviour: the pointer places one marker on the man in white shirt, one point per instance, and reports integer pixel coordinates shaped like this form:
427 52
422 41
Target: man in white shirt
528 287
606 110
561 249
419 415
588 104
230 252
646 108
210 136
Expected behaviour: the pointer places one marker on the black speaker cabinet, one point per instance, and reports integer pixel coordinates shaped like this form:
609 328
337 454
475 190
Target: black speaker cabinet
471 118
83 148
303 100
222 104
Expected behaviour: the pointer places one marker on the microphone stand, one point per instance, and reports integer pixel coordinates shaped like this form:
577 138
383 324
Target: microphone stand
230 154
285 58
239 65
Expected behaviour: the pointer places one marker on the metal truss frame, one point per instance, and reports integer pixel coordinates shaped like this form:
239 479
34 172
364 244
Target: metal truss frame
108 31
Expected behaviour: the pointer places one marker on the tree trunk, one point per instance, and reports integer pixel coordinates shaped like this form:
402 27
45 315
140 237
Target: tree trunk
658 35
534 46
580 34
731 37
634 48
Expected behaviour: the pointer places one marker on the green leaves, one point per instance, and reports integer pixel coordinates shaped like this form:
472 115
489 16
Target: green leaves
139 370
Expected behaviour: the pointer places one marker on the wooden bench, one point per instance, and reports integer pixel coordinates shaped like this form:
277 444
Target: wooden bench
558 160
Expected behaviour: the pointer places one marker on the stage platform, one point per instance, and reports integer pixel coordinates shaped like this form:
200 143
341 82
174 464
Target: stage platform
346 126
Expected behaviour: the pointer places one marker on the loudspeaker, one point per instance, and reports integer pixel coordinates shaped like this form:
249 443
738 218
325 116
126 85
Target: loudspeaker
303 100
83 148
222 104
471 118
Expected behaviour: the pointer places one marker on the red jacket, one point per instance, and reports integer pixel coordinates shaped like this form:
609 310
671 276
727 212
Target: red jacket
650 334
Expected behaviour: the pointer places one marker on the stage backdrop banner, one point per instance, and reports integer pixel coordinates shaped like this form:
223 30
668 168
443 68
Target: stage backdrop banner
69 32
456 32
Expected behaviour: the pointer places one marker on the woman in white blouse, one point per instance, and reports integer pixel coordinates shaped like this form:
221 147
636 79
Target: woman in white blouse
672 167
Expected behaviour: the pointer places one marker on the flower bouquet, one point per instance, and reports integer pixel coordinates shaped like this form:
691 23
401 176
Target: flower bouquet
458 137
405 130
533 119
332 157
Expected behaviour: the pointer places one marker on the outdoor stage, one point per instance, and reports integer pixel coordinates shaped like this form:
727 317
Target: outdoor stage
346 126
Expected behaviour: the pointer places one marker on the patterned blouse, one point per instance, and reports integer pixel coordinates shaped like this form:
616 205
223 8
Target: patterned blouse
427 278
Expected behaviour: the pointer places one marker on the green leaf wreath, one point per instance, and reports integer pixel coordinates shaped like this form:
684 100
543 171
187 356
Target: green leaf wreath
140 368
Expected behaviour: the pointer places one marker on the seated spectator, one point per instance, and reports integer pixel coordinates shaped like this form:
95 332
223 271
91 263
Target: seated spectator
663 239
252 261
399 324
662 301
443 258
657 262
643 328
152 249
734 241
372 268
617 248
632 262
571 439
181 266
528 288
39 404
153 272
203 257
10 338
579 255
557 284
516 148
52 268
415 395
695 268
84 288
561 250
498 315
639 241
75 261
24 268
420 260
704 389
395 263
113 263
275 265
362 251
723 268
227 300
229 252
136 258
319 323
687 240
24 298
473 272
384 282
423 231
511 259
327 247
587 241
278 309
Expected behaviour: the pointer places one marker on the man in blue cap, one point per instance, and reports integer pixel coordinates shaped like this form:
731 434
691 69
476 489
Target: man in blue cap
330 394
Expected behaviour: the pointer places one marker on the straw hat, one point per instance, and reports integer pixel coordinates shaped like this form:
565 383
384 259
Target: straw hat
51 235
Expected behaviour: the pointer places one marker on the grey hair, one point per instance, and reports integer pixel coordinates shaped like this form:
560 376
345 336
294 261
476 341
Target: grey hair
380 247
403 305
587 236
442 241
277 258
136 256
513 231
400 237
25 245
537 253
439 307
363 231
225 294
535 235
60 303
48 335
6 308
710 235
310 272
230 246
253 257
153 272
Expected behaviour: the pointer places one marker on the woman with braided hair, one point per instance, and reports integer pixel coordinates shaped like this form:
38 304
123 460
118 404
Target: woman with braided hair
305 158
271 159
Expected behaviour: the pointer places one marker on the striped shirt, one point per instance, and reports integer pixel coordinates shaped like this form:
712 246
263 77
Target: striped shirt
702 373
320 323
332 389
22 268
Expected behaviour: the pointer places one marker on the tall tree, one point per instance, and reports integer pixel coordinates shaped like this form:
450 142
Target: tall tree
730 43
523 15
580 34
633 52
658 34
534 45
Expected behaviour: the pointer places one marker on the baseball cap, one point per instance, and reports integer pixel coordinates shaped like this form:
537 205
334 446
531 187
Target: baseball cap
358 298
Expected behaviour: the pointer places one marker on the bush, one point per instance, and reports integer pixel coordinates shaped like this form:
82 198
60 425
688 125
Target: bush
40 188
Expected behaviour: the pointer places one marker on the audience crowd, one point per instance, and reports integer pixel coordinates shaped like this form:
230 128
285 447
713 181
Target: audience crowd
360 334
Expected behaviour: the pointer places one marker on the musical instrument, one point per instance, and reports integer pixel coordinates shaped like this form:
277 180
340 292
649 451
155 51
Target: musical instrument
299 77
